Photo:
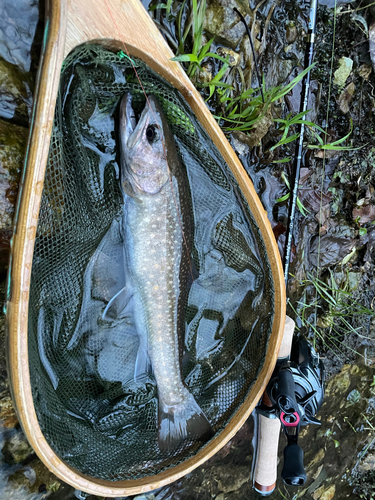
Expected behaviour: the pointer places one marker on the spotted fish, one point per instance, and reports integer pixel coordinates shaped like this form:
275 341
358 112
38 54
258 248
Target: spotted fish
157 260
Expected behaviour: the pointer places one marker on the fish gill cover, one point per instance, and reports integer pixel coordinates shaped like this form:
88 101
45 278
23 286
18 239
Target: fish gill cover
95 411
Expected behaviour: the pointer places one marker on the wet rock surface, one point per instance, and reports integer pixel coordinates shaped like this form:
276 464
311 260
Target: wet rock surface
335 241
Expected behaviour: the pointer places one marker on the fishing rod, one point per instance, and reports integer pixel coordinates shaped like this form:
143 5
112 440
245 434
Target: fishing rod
295 392
309 55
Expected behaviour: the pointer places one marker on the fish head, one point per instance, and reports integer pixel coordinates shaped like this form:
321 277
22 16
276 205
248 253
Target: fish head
144 164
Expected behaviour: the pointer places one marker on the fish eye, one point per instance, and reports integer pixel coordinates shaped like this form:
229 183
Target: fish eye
151 133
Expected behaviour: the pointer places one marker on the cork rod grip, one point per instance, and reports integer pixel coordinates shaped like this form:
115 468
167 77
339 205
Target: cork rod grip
265 469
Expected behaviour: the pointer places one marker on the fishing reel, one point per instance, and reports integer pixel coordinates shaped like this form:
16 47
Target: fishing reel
296 393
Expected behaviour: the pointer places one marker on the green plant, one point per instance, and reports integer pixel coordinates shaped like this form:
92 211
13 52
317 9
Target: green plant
336 308
300 205
332 146
243 111
198 53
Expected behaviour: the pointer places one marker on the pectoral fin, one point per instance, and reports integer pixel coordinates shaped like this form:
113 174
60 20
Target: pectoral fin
116 307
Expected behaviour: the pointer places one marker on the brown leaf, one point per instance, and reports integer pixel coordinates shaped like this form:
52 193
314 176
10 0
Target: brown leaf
366 214
346 98
314 199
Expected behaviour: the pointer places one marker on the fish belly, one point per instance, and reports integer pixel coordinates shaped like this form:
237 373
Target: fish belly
155 260
155 266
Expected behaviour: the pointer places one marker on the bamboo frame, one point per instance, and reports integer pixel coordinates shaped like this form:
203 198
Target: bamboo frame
70 23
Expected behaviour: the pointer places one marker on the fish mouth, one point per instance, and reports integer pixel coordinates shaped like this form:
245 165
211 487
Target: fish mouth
143 155
133 128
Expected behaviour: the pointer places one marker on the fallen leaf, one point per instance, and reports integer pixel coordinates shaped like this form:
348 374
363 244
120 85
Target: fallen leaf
346 97
366 214
343 71
364 71
314 199
329 250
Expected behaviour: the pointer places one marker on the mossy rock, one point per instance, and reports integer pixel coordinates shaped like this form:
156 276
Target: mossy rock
15 93
13 141
223 24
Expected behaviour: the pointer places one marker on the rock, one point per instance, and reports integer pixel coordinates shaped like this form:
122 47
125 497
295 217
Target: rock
234 57
340 383
256 134
36 477
15 94
16 449
231 478
222 23
13 141
204 75
329 493
291 32
343 71
239 146
346 97
18 22
8 417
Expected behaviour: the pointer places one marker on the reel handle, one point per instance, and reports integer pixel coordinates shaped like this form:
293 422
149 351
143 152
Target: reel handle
265 468
293 472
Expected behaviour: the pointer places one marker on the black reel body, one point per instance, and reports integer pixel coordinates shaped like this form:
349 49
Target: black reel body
296 392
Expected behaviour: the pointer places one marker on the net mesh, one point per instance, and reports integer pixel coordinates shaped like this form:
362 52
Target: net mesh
93 416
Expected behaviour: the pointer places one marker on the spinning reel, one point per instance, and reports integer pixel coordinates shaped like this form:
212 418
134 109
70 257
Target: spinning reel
296 393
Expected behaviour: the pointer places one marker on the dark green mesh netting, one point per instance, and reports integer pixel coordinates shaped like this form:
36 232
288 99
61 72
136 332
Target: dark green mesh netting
92 416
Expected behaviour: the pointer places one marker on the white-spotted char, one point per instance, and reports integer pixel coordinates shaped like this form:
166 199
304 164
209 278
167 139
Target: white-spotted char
154 226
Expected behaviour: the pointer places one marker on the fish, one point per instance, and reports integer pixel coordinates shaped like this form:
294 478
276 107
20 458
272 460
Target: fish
156 227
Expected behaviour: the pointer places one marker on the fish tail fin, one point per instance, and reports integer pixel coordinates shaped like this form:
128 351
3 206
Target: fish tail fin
184 421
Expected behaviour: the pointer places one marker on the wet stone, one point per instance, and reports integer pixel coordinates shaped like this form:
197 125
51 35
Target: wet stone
16 449
221 22
340 383
8 417
17 31
231 478
13 141
35 477
15 94
256 134
233 57
291 32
